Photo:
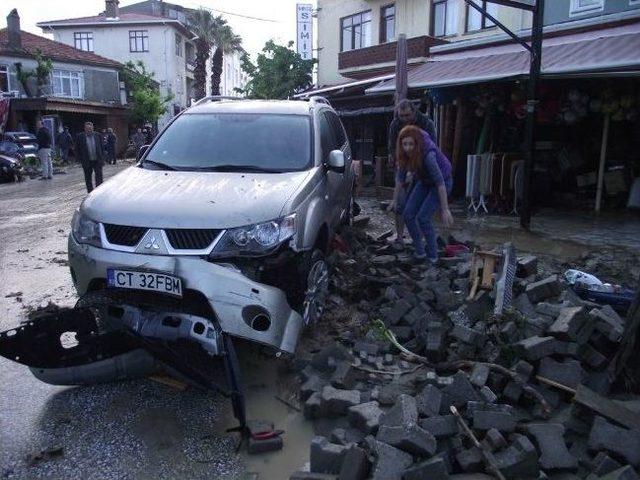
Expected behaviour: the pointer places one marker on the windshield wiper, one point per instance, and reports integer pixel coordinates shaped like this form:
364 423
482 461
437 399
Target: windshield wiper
237 168
159 164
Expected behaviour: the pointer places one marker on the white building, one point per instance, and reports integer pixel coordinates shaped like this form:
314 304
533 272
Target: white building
232 75
161 44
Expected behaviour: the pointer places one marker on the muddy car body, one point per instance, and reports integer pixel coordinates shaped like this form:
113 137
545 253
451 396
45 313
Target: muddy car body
242 234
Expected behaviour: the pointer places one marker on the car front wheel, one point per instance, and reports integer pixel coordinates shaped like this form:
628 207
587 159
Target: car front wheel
317 287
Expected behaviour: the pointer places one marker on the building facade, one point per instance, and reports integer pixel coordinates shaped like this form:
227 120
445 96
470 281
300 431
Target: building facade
81 86
356 38
233 76
163 45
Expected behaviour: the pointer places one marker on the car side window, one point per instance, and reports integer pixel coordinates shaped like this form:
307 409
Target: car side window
338 130
327 139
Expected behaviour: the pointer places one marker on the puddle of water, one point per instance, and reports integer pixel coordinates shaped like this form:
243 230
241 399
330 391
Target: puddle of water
265 381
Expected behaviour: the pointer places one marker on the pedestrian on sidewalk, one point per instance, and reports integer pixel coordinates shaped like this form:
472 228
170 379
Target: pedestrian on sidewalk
405 114
64 142
90 155
431 170
112 142
138 139
44 150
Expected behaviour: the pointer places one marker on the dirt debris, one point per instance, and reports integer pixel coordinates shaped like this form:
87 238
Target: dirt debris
512 378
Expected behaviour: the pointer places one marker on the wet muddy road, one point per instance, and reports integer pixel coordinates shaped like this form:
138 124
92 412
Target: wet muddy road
139 429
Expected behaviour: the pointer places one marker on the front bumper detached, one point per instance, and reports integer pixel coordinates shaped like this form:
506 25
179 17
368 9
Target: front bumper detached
242 308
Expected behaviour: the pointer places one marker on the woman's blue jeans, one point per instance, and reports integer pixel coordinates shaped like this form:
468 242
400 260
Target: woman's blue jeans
418 215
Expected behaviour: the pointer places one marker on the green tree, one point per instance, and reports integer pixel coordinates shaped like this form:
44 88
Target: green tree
148 105
279 72
225 42
203 25
42 74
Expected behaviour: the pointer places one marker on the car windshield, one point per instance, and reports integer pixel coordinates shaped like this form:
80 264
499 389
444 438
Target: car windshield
233 142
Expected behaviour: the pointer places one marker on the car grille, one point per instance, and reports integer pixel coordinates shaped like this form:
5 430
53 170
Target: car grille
123 234
191 239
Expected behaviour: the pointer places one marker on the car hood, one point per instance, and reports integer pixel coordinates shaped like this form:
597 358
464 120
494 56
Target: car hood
168 199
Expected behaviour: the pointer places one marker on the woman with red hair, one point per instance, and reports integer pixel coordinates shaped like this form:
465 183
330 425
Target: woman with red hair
421 162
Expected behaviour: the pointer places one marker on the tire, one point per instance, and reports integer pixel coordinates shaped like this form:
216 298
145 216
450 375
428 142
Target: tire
313 287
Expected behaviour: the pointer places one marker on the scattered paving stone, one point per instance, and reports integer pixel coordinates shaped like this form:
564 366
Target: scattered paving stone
365 416
404 412
603 464
572 324
470 460
440 426
367 347
527 266
460 391
539 291
592 357
312 385
322 361
468 335
608 322
336 401
355 465
409 438
399 310
486 420
624 473
520 460
313 406
568 372
344 376
326 457
534 348
429 401
488 395
494 440
391 462
433 469
479 375
618 440
550 440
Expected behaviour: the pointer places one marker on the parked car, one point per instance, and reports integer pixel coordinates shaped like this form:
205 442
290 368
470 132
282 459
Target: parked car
235 202
11 169
21 145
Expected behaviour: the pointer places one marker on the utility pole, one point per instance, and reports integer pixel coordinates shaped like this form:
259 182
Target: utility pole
536 7
532 108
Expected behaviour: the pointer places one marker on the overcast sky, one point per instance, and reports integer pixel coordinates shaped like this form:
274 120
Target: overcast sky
254 33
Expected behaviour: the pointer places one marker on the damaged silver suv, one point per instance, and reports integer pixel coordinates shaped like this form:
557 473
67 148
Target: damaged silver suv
233 205
220 231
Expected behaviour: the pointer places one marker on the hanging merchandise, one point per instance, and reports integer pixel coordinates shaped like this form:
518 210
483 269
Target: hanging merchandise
574 107
621 107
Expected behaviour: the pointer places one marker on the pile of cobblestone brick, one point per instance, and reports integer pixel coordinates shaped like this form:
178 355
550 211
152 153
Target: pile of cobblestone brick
520 395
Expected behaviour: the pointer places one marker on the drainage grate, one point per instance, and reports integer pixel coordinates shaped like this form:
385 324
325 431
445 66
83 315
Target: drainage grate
191 239
123 234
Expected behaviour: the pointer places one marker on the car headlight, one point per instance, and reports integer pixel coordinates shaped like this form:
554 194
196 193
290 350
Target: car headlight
255 240
85 230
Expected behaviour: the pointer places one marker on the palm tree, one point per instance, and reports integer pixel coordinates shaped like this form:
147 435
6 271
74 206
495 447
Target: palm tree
202 24
225 42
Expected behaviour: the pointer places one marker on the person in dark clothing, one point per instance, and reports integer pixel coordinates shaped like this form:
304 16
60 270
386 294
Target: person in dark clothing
112 142
90 155
44 150
405 114
64 142
149 136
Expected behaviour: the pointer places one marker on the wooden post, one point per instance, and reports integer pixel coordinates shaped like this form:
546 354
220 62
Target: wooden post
603 161
457 136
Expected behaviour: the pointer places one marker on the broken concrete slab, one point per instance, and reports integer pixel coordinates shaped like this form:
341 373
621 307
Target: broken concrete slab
550 440
366 416
326 457
409 438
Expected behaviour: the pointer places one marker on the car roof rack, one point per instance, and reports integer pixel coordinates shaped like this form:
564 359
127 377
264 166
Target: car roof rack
213 98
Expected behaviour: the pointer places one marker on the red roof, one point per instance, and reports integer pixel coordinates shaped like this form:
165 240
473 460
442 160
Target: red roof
53 50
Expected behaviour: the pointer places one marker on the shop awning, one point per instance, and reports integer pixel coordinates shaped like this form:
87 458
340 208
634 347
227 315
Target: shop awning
54 104
344 88
612 50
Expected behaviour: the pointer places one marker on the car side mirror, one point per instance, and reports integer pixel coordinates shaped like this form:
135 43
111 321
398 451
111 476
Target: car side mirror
141 151
336 161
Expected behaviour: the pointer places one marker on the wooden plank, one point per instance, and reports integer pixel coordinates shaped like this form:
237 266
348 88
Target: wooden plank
607 408
487 272
169 381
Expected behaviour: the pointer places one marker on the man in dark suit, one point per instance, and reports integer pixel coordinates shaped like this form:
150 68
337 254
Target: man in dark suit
90 154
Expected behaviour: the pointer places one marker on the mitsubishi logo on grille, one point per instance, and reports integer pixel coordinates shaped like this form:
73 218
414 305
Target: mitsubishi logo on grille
152 244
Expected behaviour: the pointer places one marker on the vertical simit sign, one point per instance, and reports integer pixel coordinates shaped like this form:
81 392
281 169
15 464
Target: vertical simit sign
304 42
